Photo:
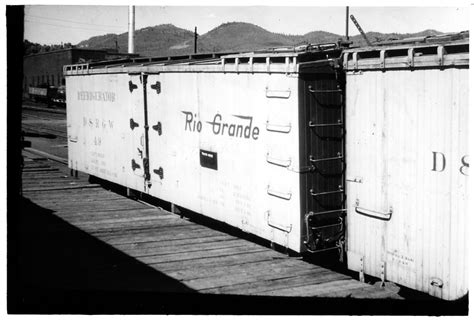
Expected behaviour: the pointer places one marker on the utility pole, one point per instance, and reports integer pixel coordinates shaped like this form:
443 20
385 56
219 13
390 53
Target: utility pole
347 23
131 29
195 39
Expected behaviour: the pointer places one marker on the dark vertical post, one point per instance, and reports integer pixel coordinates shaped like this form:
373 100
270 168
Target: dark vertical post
18 211
195 39
347 23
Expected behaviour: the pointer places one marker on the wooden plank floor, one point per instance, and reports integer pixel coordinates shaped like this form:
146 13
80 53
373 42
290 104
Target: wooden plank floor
200 258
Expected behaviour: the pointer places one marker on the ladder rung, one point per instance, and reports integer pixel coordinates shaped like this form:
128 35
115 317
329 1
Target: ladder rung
326 226
327 212
326 91
312 125
325 249
311 90
314 160
325 193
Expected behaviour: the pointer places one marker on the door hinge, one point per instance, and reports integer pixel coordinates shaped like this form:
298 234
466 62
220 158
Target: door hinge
159 172
133 124
135 165
131 86
157 127
157 87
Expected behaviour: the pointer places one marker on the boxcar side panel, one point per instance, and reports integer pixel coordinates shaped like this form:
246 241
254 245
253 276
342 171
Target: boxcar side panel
407 168
217 154
221 144
99 111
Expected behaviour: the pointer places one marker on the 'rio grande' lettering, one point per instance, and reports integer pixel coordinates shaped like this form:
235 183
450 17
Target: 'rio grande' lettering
241 128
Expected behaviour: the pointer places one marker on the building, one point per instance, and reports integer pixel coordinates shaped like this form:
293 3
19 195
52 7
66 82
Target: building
47 68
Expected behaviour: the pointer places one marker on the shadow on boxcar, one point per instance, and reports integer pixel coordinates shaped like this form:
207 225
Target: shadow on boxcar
57 268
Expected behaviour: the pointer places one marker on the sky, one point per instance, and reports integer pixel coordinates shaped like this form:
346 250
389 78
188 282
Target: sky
53 24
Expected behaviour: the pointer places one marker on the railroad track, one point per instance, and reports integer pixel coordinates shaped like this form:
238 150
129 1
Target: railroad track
44 131
44 122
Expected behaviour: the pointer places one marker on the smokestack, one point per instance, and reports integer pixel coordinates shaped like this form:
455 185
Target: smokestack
131 29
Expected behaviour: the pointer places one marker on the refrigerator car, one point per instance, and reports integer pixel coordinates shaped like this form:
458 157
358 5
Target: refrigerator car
254 140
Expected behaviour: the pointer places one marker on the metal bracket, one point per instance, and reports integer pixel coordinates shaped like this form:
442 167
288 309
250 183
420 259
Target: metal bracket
132 86
361 270
382 58
157 127
355 59
157 87
133 124
436 282
411 58
382 274
159 172
345 63
441 51
311 242
356 179
135 165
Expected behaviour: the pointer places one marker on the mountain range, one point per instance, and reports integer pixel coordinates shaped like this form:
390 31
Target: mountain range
169 40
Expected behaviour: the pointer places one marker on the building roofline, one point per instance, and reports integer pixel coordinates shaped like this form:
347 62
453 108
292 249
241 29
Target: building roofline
70 49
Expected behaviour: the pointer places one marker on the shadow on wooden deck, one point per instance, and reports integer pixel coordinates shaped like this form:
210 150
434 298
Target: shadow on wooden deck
55 268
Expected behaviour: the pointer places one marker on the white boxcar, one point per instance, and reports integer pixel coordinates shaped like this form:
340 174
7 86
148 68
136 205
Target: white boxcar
407 165
254 140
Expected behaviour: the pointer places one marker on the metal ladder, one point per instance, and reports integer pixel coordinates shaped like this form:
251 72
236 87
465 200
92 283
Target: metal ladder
326 219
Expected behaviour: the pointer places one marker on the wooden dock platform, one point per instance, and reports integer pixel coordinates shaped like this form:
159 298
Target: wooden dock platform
156 252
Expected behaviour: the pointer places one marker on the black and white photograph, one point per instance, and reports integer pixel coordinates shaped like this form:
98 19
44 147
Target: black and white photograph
237 159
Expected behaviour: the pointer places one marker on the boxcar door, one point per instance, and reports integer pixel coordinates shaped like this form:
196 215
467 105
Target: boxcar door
138 145
406 185
369 209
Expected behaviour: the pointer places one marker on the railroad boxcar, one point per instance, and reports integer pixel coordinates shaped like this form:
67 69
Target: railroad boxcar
278 142
254 140
408 164
42 93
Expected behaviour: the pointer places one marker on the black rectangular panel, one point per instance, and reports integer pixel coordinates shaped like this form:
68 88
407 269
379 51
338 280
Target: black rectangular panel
208 159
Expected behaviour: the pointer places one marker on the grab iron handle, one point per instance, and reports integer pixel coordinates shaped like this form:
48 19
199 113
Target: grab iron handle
278 128
385 216
272 93
286 196
278 162
280 227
